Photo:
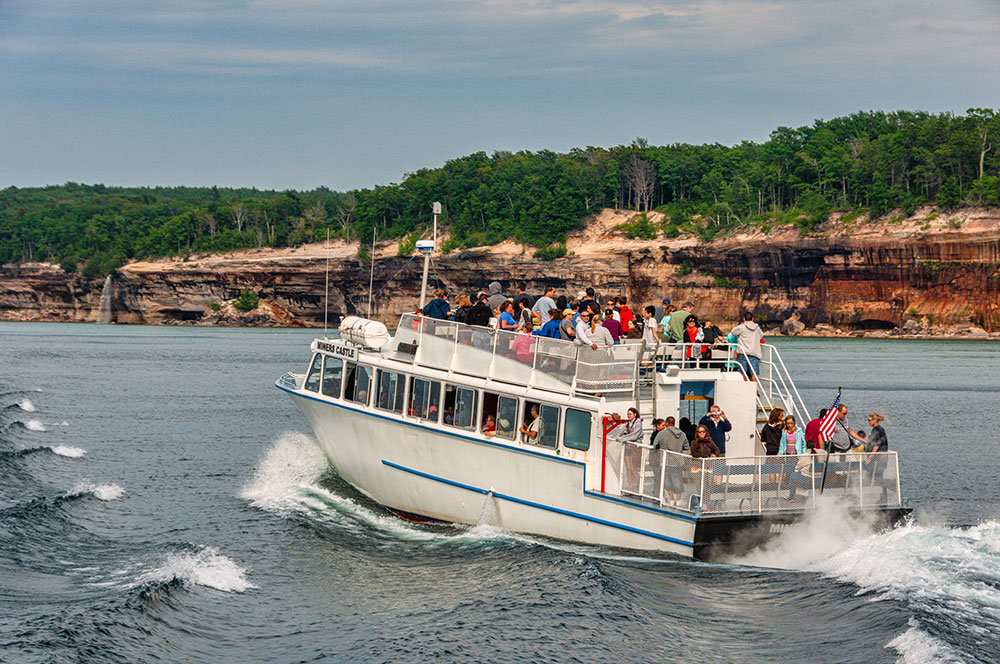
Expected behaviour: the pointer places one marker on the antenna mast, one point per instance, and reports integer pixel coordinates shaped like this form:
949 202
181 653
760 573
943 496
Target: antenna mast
326 292
426 248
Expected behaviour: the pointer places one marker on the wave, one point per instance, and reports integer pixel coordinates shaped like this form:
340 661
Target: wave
918 647
61 450
25 405
34 425
101 492
68 451
204 567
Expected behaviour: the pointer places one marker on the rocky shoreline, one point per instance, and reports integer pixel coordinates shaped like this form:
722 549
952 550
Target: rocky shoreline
927 276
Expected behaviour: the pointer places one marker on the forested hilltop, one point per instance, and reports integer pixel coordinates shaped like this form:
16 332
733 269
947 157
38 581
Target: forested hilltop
871 163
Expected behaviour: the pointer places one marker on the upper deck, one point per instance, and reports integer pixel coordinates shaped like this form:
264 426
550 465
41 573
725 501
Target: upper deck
541 362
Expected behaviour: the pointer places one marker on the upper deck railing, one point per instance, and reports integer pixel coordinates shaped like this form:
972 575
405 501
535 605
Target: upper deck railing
542 362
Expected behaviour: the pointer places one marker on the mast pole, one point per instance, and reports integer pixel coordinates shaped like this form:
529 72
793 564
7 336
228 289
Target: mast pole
436 208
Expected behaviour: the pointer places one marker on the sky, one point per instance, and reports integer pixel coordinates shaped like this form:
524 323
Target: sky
296 94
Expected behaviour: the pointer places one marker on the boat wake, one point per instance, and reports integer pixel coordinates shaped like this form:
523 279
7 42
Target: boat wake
204 566
948 577
290 480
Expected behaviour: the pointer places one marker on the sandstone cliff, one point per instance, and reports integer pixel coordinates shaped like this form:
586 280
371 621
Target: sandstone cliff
931 272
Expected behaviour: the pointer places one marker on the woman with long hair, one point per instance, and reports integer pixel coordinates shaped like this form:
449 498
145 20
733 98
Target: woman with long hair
794 438
630 435
770 434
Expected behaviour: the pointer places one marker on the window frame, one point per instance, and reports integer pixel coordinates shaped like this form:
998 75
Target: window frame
340 380
315 368
397 391
590 428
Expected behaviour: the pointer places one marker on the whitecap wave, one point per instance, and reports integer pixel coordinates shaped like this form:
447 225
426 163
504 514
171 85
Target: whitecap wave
26 406
918 647
34 425
99 491
68 451
206 567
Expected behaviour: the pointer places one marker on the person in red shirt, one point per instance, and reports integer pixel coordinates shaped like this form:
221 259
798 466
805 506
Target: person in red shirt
812 430
624 313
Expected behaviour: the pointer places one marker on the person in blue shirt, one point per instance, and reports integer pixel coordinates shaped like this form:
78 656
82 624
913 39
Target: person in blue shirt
438 307
507 321
551 328
718 426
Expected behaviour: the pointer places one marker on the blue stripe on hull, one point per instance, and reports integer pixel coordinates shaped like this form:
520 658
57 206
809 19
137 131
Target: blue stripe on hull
528 503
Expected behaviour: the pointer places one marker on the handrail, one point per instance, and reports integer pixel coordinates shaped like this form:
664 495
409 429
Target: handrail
730 484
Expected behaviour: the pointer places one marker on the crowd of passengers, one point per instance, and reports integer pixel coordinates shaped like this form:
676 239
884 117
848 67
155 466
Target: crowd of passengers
585 321
781 435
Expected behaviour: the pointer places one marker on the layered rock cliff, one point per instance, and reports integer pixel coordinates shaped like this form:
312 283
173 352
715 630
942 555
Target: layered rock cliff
941 272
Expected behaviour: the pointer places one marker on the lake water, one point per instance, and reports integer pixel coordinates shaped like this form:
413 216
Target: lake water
162 501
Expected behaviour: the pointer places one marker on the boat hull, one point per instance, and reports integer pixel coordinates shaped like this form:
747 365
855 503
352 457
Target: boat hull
433 473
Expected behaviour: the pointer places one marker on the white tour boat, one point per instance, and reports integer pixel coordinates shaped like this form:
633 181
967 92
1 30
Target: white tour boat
401 417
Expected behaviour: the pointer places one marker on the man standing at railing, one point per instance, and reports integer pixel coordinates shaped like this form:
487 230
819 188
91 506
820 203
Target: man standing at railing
670 441
718 426
748 338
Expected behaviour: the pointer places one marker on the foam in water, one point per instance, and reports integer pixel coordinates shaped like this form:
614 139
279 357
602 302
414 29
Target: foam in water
101 492
34 425
917 647
26 406
828 529
206 567
68 451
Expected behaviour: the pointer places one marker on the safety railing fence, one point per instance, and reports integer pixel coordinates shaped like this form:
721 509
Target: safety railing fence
757 484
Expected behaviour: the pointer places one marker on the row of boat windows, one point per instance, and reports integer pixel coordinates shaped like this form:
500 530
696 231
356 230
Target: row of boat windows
467 408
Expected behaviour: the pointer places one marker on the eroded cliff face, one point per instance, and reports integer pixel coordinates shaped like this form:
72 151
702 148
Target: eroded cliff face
943 271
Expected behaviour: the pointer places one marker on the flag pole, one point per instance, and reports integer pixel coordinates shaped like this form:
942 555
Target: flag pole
826 462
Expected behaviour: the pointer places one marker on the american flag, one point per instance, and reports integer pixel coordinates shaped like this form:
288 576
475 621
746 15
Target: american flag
829 420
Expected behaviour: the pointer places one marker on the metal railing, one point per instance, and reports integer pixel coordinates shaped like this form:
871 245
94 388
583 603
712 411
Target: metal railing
525 359
741 485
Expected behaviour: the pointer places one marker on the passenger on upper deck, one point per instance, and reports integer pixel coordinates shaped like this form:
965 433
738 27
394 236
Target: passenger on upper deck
587 299
649 326
507 321
599 334
661 310
551 328
678 321
613 326
748 340
567 328
496 296
480 313
523 296
464 307
692 335
624 313
438 307
583 330
545 303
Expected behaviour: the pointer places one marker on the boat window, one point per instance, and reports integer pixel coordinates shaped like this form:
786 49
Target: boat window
425 399
358 383
576 430
499 415
545 426
333 370
459 406
312 378
390 391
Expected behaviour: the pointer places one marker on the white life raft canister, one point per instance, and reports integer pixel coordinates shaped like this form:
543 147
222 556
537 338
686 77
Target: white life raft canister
364 332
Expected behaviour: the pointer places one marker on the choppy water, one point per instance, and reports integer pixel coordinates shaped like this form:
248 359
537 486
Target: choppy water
162 502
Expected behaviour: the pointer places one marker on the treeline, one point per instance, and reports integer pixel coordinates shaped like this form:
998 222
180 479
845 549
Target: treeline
872 162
